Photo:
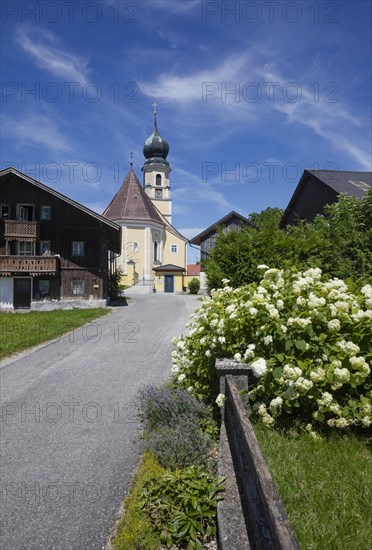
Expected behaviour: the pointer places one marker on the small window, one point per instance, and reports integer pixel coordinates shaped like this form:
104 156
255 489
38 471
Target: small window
158 179
44 288
25 212
174 247
46 213
45 248
4 211
77 287
78 248
156 251
25 248
135 247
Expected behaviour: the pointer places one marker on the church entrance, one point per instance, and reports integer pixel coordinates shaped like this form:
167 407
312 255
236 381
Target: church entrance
168 283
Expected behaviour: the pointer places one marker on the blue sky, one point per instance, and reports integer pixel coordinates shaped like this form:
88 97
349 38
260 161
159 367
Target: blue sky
249 95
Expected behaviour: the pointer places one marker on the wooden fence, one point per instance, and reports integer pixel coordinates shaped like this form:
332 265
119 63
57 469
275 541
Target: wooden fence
251 514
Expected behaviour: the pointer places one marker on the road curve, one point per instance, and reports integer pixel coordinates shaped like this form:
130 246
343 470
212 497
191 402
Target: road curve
69 427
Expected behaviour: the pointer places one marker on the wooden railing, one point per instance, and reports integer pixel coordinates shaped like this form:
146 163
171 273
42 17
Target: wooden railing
32 265
20 229
251 514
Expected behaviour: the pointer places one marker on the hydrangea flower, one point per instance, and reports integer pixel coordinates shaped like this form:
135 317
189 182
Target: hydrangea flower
259 367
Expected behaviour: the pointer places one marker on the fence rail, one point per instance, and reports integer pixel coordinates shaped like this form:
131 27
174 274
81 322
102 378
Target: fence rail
252 514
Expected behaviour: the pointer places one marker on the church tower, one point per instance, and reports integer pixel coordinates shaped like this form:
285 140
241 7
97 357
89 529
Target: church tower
156 171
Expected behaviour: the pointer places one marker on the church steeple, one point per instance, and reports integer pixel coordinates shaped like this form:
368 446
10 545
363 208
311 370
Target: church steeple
156 171
156 148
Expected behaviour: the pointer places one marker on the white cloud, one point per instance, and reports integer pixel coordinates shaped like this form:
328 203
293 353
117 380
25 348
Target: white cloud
37 130
334 122
197 191
184 89
176 6
44 48
191 232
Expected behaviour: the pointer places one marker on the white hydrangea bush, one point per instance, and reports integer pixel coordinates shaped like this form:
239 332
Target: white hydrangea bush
307 340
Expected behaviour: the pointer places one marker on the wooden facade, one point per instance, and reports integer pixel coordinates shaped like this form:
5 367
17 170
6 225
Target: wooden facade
58 247
206 240
317 188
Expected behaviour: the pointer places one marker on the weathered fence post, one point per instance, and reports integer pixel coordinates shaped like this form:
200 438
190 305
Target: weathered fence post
251 514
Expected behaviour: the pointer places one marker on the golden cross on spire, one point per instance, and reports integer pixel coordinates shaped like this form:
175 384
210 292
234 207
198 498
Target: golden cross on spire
131 160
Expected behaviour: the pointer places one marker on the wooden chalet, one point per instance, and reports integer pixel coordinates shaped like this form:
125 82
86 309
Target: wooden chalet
317 188
54 252
207 238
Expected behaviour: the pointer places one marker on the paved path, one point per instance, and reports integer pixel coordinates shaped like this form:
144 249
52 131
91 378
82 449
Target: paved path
69 426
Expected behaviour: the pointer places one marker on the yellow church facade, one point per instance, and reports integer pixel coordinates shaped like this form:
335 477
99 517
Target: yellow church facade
153 252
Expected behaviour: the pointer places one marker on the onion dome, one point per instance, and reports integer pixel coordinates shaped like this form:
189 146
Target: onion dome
156 148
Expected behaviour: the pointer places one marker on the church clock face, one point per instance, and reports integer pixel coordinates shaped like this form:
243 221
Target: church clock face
158 193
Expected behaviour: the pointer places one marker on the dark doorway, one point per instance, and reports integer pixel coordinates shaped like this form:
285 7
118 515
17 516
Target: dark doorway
22 293
168 283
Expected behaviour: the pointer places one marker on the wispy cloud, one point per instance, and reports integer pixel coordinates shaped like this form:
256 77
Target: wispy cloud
183 89
332 121
37 130
176 7
194 191
191 232
48 54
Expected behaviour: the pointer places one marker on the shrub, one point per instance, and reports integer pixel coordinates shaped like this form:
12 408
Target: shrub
194 285
182 506
307 340
339 242
183 445
167 406
114 286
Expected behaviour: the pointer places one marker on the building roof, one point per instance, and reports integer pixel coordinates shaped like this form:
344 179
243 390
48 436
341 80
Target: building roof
193 269
169 267
355 184
11 170
352 183
197 240
131 202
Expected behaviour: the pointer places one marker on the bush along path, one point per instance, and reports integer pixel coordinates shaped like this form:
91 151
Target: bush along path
173 502
306 337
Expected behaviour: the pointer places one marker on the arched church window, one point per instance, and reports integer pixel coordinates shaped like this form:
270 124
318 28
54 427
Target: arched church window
158 179
156 251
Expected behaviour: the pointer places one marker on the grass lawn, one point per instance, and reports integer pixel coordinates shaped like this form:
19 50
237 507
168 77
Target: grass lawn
134 530
325 486
19 331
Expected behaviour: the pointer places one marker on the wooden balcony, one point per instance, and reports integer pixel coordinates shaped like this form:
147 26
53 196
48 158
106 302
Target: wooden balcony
21 230
28 265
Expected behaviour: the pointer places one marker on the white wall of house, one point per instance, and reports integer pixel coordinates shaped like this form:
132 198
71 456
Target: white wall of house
6 293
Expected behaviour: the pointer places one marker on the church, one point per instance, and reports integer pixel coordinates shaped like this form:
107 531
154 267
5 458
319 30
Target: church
153 252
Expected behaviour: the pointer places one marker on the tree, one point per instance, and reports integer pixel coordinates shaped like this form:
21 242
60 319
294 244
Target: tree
339 242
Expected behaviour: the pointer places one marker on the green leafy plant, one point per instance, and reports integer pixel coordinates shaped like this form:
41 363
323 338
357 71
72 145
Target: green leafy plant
183 445
114 285
339 242
194 285
182 506
306 338
166 406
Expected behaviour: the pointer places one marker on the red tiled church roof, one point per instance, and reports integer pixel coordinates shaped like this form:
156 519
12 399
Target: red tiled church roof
131 202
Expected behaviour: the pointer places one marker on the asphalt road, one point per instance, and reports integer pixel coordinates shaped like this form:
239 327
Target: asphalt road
69 424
